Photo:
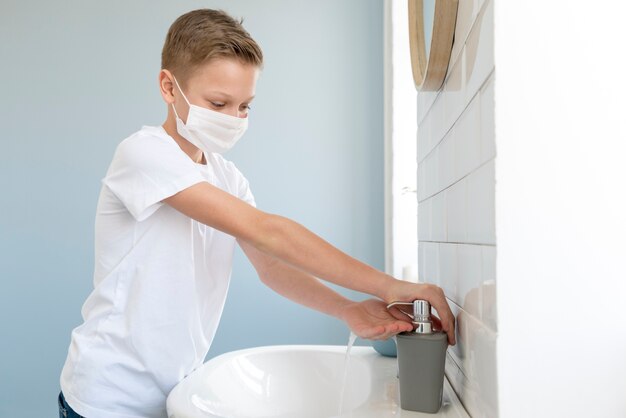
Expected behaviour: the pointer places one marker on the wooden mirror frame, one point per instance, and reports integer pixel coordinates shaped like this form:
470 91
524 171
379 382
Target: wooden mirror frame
429 72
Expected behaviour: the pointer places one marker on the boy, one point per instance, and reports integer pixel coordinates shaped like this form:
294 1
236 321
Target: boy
169 213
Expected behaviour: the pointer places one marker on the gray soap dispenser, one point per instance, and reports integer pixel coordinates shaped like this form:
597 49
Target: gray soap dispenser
421 361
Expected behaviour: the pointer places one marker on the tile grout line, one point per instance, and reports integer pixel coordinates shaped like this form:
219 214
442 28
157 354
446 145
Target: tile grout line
481 165
459 243
485 326
483 84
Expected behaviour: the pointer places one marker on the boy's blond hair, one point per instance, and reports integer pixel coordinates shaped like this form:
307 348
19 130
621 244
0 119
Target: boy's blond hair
199 36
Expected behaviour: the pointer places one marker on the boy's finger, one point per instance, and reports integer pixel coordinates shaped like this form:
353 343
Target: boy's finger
448 328
446 318
397 328
400 314
437 323
374 332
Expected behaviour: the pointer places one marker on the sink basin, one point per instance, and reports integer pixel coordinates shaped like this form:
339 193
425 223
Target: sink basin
297 381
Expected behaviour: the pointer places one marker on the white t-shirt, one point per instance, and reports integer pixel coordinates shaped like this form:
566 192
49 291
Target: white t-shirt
160 282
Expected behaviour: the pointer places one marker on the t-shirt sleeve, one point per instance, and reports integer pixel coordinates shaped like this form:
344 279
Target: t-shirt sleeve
241 187
245 193
146 170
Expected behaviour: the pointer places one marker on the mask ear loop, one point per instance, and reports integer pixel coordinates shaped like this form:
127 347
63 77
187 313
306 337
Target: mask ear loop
189 104
184 97
181 91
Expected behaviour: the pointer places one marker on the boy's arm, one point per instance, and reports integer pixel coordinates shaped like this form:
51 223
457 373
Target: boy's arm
297 246
368 319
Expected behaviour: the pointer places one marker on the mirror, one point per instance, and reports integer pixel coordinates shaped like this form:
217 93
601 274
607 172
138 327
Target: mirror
431 33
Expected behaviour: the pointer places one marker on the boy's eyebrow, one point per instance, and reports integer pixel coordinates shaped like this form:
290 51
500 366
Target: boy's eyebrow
228 95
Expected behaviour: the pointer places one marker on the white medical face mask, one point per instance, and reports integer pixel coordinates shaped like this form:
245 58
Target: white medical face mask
209 130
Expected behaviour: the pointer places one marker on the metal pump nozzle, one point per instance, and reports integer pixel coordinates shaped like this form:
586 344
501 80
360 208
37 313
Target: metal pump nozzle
421 315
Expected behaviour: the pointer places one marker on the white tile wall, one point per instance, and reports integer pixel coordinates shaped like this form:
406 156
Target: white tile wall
452 100
466 273
456 211
424 220
487 123
438 217
446 160
470 278
456 217
471 366
448 269
481 226
467 140
488 306
431 257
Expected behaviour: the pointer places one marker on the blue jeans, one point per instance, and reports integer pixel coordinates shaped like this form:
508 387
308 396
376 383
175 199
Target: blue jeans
64 409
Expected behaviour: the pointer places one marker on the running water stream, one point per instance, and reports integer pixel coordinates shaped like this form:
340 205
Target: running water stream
344 376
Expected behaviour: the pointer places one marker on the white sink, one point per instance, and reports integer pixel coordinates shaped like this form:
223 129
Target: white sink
297 381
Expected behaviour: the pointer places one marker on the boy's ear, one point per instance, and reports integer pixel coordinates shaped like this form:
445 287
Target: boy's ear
166 86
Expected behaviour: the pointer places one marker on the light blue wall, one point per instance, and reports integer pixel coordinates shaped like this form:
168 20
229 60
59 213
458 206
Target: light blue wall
79 76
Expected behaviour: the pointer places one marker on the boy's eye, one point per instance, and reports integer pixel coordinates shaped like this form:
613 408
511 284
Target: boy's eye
219 105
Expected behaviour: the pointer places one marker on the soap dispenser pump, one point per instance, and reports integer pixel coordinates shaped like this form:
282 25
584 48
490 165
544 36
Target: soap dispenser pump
421 361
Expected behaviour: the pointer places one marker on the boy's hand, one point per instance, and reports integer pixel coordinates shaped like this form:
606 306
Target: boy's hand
370 319
403 291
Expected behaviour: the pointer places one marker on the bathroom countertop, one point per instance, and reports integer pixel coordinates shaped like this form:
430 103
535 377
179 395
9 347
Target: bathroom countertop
385 399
